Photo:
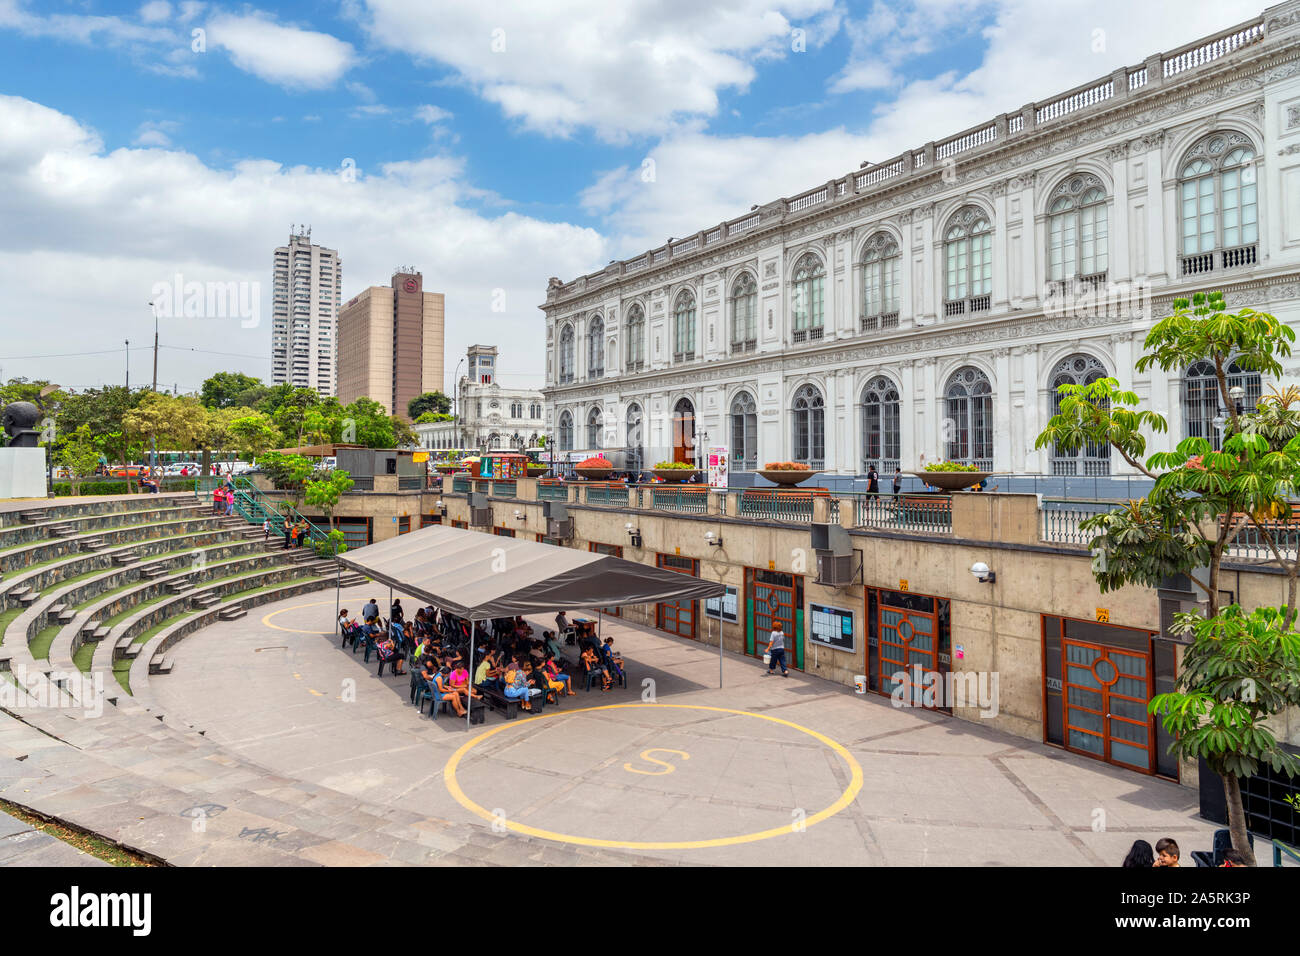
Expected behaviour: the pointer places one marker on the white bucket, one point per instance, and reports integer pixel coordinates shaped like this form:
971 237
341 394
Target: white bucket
860 683
767 657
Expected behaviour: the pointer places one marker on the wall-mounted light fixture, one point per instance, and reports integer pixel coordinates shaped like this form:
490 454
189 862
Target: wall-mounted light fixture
634 534
519 515
982 573
714 541
440 507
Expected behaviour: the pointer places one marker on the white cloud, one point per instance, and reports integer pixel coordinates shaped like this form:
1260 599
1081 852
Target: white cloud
154 134
638 67
156 11
432 114
165 211
1031 51
285 55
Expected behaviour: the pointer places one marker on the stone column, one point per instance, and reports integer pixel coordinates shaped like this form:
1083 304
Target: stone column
1002 407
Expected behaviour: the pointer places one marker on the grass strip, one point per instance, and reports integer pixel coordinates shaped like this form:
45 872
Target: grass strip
83 840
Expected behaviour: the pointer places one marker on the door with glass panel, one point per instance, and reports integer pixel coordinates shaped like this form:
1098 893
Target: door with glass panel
677 617
908 638
1106 695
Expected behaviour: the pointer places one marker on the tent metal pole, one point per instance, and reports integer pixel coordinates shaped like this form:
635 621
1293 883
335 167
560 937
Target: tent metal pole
469 699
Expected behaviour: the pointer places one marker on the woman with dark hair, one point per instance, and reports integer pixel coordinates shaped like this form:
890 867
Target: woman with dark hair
1141 856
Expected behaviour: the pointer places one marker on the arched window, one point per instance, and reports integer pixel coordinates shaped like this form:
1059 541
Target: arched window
684 431
806 302
635 440
684 328
744 432
593 428
635 339
1203 403
968 428
516 409
566 431
968 261
517 442
881 443
566 354
1217 200
809 427
1091 458
596 347
1076 230
880 283
744 314
494 440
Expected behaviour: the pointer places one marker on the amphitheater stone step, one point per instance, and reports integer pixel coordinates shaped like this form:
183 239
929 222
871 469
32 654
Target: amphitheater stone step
125 558
180 587
61 530
31 517
158 664
204 600
92 544
88 629
126 647
233 613
151 573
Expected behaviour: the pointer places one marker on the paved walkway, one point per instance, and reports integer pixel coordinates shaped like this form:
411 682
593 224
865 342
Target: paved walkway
763 771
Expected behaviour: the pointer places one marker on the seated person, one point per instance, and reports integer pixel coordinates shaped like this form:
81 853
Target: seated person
443 690
461 685
557 679
521 623
390 653
487 672
591 663
517 686
611 660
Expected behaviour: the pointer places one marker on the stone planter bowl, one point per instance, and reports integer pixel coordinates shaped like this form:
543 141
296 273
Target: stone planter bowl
952 480
786 477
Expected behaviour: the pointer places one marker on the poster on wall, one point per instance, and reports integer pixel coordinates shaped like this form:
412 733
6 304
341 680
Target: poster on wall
831 626
717 459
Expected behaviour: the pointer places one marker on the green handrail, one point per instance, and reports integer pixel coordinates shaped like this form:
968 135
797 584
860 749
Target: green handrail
255 507
1279 848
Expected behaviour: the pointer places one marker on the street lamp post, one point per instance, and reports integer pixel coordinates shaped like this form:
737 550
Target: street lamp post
153 437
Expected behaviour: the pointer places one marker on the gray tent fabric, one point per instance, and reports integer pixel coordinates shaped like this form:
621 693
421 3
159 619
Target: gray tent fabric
479 576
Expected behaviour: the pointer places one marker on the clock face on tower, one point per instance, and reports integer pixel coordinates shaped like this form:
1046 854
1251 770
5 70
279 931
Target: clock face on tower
410 285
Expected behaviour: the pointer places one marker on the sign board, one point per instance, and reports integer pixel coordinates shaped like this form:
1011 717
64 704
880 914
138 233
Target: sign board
420 456
902 584
723 608
832 627
717 464
959 652
1103 615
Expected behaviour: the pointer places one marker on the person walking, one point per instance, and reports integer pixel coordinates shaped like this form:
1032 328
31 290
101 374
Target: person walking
776 651
873 482
898 482
287 535
266 529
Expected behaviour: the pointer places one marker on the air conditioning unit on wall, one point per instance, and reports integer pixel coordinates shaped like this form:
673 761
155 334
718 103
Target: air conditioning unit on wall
837 564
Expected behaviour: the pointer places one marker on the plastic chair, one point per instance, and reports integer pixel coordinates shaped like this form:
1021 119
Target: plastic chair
1222 843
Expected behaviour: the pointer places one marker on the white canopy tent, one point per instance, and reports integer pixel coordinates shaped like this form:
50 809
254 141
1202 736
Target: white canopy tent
480 576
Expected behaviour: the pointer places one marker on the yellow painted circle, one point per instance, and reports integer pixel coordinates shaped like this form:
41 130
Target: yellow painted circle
297 607
845 798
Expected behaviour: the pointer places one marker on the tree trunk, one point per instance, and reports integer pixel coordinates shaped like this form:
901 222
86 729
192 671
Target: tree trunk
1237 817
206 465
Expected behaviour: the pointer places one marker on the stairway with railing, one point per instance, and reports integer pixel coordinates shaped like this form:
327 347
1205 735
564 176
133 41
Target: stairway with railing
254 506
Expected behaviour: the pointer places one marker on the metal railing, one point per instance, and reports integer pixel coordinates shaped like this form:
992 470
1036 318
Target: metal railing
679 499
460 485
1061 519
1249 541
928 513
616 497
551 492
775 505
254 506
504 489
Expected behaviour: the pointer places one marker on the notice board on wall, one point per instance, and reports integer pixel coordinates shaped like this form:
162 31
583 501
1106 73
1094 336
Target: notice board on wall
831 626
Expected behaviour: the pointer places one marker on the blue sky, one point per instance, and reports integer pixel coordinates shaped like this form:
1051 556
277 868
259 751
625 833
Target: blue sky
496 143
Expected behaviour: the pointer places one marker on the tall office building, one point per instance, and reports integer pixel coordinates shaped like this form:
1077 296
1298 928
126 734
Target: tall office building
304 314
391 343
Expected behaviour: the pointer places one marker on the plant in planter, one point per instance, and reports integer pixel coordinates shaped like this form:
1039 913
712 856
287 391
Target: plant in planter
787 472
596 467
951 475
675 471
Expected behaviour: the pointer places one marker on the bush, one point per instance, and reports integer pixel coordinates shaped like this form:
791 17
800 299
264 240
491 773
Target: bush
596 461
949 466
675 466
787 466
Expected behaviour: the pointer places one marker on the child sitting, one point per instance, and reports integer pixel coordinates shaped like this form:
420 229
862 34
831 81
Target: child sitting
593 663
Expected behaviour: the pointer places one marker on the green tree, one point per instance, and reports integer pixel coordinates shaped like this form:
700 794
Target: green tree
403 435
291 416
232 390
176 422
1200 502
287 472
253 433
428 402
104 410
21 390
79 453
325 493
429 418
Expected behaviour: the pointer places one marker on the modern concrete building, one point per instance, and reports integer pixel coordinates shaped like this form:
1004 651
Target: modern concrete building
928 306
307 283
488 415
391 343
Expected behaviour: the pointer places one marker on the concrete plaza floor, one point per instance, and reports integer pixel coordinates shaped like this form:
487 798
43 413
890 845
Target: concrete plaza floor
764 771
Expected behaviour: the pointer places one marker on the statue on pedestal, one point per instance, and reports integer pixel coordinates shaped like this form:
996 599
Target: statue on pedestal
19 421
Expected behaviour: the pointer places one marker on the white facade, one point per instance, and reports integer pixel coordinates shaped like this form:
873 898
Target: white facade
308 286
925 308
487 416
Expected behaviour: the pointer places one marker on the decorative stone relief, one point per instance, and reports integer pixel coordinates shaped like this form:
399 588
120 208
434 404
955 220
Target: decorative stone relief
1292 117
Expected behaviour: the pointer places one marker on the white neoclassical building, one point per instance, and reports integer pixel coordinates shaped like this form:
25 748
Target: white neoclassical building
487 415
927 307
